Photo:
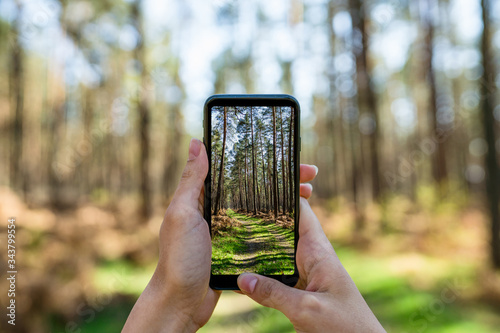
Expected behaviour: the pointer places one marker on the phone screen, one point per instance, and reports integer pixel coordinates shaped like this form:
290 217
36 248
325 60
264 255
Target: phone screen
252 188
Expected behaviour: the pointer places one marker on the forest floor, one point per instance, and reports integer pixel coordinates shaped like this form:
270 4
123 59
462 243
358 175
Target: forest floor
254 245
427 271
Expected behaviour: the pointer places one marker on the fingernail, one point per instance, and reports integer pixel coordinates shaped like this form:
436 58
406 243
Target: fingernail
316 168
248 282
310 185
194 149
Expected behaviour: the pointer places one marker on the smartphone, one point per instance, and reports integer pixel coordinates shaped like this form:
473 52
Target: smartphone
251 200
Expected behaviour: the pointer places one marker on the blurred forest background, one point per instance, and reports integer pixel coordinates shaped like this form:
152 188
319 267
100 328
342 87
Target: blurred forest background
400 111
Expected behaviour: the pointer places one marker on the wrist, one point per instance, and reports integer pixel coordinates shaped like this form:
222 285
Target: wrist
169 308
157 311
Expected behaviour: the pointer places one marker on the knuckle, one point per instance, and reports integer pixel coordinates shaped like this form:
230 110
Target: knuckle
273 294
267 290
188 172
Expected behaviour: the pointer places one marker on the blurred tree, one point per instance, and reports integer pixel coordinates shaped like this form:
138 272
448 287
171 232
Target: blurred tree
174 132
366 98
143 110
488 91
16 80
338 139
428 21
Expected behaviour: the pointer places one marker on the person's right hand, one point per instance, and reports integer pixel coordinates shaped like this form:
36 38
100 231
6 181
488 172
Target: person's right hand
325 299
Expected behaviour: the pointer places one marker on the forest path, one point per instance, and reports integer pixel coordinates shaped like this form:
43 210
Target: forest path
269 248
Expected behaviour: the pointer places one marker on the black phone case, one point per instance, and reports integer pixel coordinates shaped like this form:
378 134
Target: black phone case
228 282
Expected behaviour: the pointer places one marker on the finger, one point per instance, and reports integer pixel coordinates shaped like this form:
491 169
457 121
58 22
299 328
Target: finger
316 258
306 190
309 223
193 176
307 172
269 292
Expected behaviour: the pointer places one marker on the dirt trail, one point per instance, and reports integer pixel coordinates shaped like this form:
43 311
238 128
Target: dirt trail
284 244
258 240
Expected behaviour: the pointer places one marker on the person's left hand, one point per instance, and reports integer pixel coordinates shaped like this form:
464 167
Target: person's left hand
178 297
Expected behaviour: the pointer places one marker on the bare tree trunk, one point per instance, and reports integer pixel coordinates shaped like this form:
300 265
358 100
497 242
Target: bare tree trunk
56 172
214 178
16 86
253 163
493 173
275 166
246 182
221 170
439 158
283 168
333 113
367 102
290 178
144 115
272 190
239 189
172 151
266 194
359 224
175 133
88 117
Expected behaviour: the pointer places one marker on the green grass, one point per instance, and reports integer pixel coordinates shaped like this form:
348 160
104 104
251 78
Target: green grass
401 301
118 284
408 292
402 305
122 277
229 247
96 318
231 213
224 248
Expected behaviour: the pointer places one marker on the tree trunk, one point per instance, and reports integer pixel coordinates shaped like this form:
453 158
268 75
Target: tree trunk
144 115
275 166
88 116
16 87
214 178
283 168
266 194
255 193
58 171
439 158
172 151
367 102
221 170
246 182
271 182
291 179
239 189
492 169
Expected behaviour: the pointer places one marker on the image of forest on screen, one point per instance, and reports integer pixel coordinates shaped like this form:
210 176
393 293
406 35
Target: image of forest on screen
253 194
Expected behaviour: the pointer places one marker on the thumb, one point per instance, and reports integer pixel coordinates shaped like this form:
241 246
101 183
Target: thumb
269 292
194 174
